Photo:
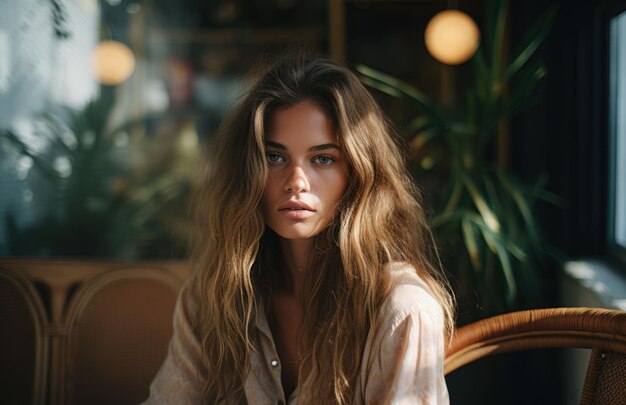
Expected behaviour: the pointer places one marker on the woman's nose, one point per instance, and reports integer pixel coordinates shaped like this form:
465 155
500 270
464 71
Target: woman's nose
297 182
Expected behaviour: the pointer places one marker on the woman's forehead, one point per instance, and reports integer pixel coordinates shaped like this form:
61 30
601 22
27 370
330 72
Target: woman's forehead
302 122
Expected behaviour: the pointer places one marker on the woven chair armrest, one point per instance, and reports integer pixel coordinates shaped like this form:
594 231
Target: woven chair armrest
590 328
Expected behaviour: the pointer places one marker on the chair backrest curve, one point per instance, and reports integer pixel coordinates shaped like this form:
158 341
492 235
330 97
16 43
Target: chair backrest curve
591 328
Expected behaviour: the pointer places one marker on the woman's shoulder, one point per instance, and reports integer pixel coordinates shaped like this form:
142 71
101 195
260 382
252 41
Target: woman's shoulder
409 295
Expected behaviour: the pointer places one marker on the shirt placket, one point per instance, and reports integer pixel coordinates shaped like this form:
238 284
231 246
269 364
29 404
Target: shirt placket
269 356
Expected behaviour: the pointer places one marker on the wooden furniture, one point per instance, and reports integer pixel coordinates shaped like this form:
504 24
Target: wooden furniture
84 332
601 330
97 332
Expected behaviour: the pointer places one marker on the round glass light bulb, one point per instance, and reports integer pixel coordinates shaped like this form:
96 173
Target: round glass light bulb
451 37
112 62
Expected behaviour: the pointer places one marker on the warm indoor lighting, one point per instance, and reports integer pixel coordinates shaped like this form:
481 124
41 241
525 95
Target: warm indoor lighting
451 37
113 62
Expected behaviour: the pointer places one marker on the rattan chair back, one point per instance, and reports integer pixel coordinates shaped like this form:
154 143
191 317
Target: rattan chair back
602 330
118 329
23 342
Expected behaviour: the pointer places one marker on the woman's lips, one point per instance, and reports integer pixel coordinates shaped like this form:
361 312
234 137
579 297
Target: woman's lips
293 204
296 213
296 210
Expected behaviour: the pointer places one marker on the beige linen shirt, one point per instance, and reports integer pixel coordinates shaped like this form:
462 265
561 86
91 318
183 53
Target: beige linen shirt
402 362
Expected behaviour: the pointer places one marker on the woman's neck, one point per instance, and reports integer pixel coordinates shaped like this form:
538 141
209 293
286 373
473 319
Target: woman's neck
296 256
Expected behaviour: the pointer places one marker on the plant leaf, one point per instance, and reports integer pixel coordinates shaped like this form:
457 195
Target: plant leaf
397 88
455 194
471 244
40 163
521 91
420 140
538 191
535 36
529 220
498 43
419 124
481 76
494 237
507 271
489 217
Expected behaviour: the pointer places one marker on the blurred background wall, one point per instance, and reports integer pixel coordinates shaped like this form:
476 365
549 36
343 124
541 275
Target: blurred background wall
106 104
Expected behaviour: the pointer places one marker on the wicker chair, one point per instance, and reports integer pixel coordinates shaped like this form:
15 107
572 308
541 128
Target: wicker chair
602 331
23 346
118 328
77 332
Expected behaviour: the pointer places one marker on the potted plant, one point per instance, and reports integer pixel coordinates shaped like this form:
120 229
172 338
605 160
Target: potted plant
103 192
484 218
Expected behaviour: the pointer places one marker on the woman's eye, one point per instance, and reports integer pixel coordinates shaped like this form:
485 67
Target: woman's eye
274 158
324 160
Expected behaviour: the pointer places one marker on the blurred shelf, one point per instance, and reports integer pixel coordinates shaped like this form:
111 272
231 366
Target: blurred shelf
235 36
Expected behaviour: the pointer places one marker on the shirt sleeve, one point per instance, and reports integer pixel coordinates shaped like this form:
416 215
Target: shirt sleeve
407 358
178 380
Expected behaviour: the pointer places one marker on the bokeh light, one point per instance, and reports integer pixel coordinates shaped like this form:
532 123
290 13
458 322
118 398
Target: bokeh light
452 37
112 62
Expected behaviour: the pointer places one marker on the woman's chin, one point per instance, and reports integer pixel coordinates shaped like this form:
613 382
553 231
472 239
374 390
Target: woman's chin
296 233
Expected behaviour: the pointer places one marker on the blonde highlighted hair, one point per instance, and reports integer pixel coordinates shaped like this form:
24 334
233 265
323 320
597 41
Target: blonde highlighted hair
380 221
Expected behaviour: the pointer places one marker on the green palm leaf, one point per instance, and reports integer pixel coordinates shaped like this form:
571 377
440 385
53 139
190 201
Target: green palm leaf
488 216
535 37
517 195
498 43
507 271
471 243
394 87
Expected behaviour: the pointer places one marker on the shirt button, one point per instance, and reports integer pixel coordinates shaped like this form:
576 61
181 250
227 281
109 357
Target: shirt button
274 363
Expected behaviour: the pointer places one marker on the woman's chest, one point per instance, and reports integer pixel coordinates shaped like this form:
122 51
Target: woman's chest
285 324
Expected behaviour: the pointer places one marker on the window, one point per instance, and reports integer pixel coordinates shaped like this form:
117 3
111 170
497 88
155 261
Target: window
103 107
617 133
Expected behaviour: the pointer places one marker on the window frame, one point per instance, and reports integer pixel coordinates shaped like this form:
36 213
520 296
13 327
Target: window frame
614 251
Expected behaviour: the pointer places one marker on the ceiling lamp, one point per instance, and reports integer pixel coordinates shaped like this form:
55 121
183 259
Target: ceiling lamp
112 62
452 37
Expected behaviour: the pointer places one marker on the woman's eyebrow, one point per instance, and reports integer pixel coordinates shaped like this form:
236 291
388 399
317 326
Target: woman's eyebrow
275 145
324 146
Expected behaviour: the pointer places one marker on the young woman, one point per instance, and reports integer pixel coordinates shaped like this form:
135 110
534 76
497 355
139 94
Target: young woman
313 278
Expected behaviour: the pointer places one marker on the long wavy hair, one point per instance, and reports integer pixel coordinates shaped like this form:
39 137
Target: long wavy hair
379 221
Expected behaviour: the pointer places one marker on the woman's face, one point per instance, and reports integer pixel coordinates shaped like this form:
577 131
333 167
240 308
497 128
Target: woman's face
307 171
